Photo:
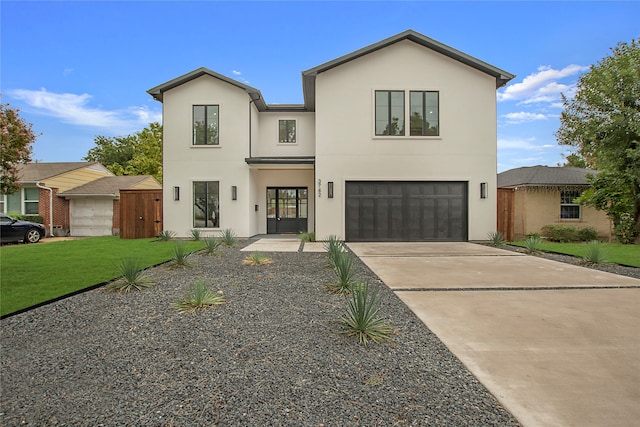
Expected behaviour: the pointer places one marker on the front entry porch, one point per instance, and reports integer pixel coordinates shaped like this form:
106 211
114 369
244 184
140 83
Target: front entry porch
287 210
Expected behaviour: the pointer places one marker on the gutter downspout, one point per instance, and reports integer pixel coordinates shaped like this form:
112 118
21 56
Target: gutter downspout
39 185
250 125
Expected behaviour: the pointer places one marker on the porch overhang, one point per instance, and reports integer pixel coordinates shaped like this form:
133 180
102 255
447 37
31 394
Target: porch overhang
308 162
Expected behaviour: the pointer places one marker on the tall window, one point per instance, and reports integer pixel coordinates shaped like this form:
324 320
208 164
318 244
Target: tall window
31 201
287 131
424 113
206 204
205 124
390 112
568 208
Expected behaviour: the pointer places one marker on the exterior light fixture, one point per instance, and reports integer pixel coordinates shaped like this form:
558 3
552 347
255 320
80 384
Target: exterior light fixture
330 190
483 190
234 192
176 193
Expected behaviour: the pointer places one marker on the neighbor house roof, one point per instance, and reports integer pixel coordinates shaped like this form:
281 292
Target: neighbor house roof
544 176
107 186
34 172
309 76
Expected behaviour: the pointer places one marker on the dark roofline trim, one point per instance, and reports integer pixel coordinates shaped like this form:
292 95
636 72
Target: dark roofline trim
311 160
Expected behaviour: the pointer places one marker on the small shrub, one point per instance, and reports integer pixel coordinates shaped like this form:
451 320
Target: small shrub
195 234
308 236
334 248
497 239
166 235
587 234
133 277
257 258
344 275
532 244
211 245
180 255
594 253
363 319
560 233
228 237
199 297
533 235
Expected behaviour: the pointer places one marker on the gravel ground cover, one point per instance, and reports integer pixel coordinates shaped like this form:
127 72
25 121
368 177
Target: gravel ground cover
271 356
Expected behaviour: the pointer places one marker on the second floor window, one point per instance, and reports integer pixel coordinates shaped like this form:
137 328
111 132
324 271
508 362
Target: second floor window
205 124
568 208
424 114
390 112
287 131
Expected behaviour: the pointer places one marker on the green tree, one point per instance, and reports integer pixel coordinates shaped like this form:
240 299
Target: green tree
137 154
574 160
16 137
603 122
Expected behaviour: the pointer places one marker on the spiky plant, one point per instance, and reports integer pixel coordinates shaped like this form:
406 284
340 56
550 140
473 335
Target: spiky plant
594 253
134 278
363 319
180 255
334 248
308 236
257 258
228 237
532 244
497 239
199 297
211 245
166 235
344 275
196 234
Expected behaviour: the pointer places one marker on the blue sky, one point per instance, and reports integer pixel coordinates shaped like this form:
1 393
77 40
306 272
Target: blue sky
78 69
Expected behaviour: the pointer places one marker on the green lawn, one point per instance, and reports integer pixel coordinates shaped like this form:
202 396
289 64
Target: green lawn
32 274
613 252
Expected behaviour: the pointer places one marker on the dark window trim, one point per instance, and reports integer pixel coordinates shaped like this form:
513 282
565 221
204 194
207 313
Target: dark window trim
389 114
206 127
423 94
287 126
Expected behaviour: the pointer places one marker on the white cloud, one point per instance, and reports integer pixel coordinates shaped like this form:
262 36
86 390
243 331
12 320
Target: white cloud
521 117
522 144
75 109
236 73
543 85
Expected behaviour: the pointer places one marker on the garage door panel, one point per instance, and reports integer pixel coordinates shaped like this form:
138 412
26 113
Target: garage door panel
406 211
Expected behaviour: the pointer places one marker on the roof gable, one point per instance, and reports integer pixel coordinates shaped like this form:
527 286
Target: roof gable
544 176
108 186
34 172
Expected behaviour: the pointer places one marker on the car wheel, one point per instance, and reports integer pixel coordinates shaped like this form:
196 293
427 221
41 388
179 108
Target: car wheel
32 236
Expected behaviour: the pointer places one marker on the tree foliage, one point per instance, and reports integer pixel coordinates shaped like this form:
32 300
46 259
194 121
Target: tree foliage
137 154
603 122
16 137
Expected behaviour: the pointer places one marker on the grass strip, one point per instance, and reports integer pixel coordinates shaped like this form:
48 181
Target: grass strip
613 252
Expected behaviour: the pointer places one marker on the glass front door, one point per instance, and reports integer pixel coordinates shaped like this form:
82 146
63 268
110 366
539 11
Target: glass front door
287 210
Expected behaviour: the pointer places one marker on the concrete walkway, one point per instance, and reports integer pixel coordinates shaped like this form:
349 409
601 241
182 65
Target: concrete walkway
557 344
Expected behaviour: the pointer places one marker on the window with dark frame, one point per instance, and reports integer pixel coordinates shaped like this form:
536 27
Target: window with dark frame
424 113
390 116
206 204
568 208
205 124
287 131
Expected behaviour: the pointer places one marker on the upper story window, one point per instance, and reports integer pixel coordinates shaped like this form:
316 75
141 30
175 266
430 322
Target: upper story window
568 208
287 131
424 113
390 112
205 124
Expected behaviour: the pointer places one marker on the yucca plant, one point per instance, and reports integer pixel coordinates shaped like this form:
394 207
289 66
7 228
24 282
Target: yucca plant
180 255
211 245
532 244
133 277
334 248
257 258
308 236
594 253
199 297
228 237
497 239
363 319
196 234
166 235
344 275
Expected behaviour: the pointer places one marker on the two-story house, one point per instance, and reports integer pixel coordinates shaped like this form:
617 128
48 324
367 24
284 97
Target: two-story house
396 141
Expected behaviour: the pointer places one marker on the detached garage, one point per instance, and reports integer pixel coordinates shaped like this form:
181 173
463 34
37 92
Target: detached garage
389 211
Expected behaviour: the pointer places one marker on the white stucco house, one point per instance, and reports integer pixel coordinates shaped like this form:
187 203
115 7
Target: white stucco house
396 141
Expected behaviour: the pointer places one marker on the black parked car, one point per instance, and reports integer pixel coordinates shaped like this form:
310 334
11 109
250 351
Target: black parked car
15 230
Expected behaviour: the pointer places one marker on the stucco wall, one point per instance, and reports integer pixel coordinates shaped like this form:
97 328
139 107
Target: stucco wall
265 140
347 149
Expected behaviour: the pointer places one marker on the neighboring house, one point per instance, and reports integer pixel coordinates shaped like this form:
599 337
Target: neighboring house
53 192
394 142
532 197
95 206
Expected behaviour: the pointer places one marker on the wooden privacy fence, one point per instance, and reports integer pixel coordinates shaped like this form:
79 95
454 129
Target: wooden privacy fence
140 213
506 198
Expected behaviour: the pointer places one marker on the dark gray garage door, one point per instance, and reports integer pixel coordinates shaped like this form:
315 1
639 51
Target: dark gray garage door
406 211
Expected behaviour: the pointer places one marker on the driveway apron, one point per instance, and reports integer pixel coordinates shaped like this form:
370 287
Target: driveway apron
557 344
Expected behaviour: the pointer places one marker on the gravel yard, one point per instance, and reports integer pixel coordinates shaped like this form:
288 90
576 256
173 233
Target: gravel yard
271 356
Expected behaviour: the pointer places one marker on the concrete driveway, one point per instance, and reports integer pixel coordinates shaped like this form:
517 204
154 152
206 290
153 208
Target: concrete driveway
557 344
